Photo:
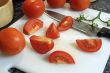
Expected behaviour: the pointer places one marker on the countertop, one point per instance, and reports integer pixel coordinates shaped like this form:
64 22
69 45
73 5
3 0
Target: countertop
102 5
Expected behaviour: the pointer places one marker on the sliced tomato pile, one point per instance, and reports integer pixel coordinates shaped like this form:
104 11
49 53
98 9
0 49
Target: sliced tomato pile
13 42
89 45
61 57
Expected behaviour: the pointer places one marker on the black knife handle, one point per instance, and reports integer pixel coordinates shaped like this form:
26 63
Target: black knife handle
104 32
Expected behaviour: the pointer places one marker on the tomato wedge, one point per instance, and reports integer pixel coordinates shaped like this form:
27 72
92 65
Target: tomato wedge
32 25
41 44
89 45
52 32
65 24
61 57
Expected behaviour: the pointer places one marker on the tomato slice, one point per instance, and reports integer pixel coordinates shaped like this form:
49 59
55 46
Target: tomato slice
61 57
89 45
52 32
32 25
65 24
41 44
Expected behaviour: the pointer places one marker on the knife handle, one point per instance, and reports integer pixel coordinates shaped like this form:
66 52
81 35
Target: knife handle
104 32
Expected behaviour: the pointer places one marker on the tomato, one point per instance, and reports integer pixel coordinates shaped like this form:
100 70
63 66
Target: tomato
89 45
61 57
12 41
52 32
65 24
79 4
32 25
40 44
33 8
56 3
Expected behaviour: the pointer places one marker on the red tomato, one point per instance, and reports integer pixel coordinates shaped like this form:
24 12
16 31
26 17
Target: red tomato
12 41
33 8
61 57
32 25
52 31
65 24
79 4
41 44
89 45
56 3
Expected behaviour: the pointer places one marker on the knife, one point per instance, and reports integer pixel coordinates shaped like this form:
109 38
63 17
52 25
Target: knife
81 26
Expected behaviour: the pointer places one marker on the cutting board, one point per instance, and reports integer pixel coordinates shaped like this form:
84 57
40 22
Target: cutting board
31 62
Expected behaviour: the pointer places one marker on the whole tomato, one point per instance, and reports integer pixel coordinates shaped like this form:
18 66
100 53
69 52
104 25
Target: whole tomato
56 3
33 8
12 41
79 4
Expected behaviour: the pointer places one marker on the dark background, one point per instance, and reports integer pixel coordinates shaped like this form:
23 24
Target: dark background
102 5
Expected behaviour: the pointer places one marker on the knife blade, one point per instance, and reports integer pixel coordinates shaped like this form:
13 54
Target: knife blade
81 26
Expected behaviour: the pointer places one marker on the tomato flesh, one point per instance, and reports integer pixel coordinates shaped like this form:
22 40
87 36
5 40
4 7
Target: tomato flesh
61 57
40 44
65 24
89 45
32 25
52 32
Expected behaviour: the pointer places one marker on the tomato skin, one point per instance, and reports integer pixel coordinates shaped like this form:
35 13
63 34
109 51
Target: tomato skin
52 32
61 57
79 5
56 3
12 41
32 25
40 44
33 8
89 45
65 24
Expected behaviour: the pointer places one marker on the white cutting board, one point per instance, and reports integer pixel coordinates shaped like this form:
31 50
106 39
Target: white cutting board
31 62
